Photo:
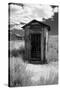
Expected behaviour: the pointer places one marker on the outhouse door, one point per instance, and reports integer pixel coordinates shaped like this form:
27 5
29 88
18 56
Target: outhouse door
36 46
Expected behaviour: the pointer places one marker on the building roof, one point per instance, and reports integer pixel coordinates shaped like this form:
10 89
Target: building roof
35 22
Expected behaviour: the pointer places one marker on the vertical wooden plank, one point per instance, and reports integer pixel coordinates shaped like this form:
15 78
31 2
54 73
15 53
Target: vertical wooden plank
42 44
25 57
46 42
29 46
27 43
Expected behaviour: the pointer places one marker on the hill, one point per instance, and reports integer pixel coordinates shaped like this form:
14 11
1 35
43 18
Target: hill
16 34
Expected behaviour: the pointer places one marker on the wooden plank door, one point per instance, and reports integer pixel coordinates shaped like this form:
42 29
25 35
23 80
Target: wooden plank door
36 46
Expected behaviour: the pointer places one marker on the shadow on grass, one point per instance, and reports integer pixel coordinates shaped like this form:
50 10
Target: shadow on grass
17 52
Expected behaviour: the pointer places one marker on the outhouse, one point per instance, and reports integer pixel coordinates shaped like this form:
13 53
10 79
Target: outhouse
36 40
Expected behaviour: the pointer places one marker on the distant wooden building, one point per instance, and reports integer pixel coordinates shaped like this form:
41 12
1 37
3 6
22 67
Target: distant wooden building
36 39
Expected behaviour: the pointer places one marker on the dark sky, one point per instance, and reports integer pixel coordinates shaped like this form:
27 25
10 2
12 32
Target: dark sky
53 24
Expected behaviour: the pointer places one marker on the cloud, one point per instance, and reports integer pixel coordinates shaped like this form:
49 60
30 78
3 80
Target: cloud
55 9
19 14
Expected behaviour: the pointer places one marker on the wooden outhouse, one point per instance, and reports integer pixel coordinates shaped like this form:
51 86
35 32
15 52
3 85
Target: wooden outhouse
36 39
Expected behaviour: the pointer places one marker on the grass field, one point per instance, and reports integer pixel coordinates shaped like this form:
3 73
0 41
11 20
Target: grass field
24 74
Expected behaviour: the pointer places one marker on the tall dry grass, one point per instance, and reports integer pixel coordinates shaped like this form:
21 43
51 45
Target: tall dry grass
24 74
